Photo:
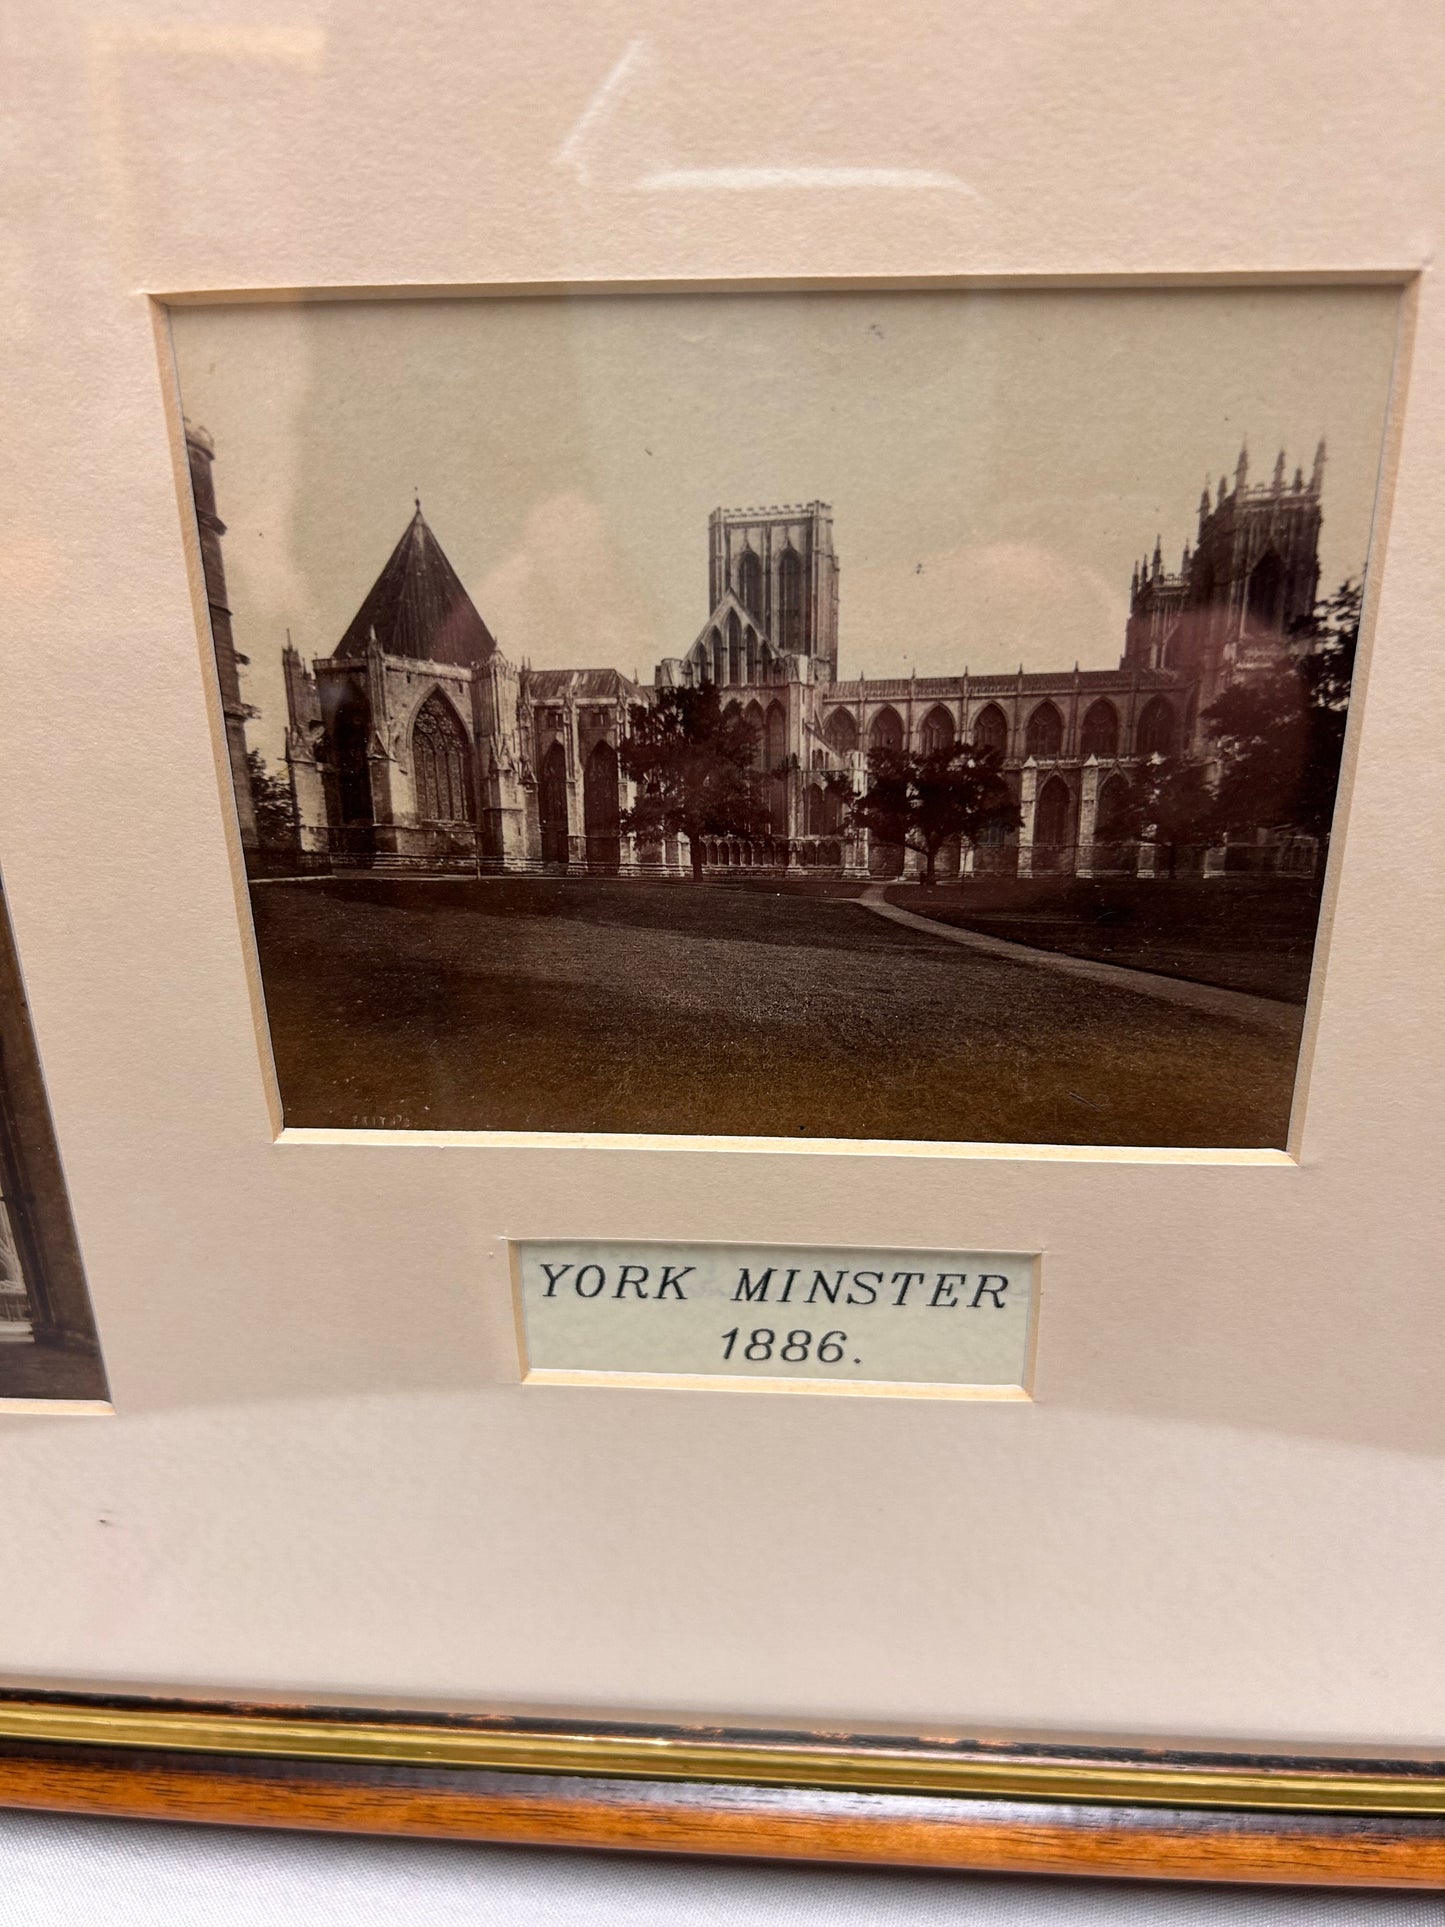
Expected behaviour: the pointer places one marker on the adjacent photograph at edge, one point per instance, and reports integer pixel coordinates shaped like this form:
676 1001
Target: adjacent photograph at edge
908 715
48 1344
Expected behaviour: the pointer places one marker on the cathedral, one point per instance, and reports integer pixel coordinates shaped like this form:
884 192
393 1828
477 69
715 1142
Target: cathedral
416 744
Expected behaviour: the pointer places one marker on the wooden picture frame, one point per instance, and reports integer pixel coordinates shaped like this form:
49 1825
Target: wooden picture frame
317 1507
876 1799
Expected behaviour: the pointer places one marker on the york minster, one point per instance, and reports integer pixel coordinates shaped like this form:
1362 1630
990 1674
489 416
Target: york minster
890 717
415 744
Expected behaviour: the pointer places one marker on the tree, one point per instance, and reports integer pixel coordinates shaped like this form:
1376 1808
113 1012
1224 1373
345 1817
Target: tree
692 765
1331 637
1280 735
274 805
1170 804
921 801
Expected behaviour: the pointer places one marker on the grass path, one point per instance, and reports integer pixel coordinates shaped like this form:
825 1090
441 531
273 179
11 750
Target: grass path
1266 1013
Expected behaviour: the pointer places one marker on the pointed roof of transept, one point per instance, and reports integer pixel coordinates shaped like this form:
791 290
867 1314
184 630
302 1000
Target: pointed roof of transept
417 607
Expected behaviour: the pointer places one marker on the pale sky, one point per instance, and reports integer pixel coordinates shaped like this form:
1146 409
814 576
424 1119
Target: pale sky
995 461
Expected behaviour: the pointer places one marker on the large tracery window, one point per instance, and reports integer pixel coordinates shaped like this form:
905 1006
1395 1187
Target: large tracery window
990 729
1101 731
1155 733
439 762
886 730
841 732
937 731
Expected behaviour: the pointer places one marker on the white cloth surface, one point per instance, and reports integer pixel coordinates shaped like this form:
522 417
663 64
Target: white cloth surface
56 1871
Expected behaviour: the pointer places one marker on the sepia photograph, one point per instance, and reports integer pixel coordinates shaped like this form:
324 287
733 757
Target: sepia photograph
898 714
48 1344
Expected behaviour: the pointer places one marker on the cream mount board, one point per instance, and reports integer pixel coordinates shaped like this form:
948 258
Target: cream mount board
1220 1513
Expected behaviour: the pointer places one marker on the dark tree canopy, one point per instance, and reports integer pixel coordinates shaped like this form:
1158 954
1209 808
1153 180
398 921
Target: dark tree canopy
274 805
1169 802
1280 736
692 765
921 801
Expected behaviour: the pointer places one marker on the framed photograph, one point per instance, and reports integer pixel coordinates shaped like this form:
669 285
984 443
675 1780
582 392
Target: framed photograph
1009 831
719 797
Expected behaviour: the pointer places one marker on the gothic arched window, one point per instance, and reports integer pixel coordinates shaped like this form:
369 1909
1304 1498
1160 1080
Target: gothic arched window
790 626
552 805
1101 731
1155 733
439 763
1044 736
718 666
1112 814
601 815
1051 815
750 583
990 729
886 730
842 732
937 731
735 649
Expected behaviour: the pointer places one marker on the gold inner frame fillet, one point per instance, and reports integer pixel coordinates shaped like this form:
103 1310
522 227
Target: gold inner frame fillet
879 1768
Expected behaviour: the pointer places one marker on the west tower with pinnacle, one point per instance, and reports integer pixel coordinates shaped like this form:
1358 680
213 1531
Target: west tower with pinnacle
1250 576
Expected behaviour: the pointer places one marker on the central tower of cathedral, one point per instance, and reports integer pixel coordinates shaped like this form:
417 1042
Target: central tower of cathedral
779 564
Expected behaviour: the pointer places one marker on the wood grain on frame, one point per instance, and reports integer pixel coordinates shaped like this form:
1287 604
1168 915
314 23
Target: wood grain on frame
871 1800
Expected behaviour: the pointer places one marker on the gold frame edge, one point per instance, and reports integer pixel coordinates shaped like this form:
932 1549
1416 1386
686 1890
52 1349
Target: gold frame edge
898 1767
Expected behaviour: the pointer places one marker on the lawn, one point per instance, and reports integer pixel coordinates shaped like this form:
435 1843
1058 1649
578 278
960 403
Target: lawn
523 1003
1256 935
